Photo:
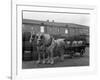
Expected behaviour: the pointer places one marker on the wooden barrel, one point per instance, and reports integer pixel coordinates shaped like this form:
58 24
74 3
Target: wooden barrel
27 50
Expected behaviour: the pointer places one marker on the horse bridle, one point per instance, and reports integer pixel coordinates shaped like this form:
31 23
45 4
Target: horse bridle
49 44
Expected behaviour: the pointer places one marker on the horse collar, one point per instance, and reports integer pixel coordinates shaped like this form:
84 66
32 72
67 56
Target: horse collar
50 42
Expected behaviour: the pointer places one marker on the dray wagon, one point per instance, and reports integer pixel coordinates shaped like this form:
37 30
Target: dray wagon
76 44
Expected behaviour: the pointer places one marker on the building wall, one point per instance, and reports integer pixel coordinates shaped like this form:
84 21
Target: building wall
72 31
30 27
52 30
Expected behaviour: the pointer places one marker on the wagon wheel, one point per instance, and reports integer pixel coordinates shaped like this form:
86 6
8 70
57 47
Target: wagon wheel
82 52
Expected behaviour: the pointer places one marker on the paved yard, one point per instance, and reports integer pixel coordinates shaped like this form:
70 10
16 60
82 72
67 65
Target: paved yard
68 62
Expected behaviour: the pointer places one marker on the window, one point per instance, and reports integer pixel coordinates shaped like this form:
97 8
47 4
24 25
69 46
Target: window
32 28
58 30
66 31
42 29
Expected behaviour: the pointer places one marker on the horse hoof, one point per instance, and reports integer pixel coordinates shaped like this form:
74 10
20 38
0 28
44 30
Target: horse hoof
48 62
52 62
43 62
38 62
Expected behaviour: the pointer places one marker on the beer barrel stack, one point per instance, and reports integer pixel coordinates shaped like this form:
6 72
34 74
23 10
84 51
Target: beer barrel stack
26 46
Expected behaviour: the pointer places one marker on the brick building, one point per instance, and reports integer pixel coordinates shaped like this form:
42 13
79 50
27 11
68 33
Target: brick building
54 28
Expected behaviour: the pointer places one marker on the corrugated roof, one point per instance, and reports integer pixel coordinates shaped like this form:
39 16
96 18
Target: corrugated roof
29 21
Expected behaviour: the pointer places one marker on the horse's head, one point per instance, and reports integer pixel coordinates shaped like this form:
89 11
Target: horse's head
44 39
33 37
40 39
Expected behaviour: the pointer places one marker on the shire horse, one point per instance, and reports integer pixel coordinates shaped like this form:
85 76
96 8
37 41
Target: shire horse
47 45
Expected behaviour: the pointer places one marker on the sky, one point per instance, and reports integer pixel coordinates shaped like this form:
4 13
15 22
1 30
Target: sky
83 19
